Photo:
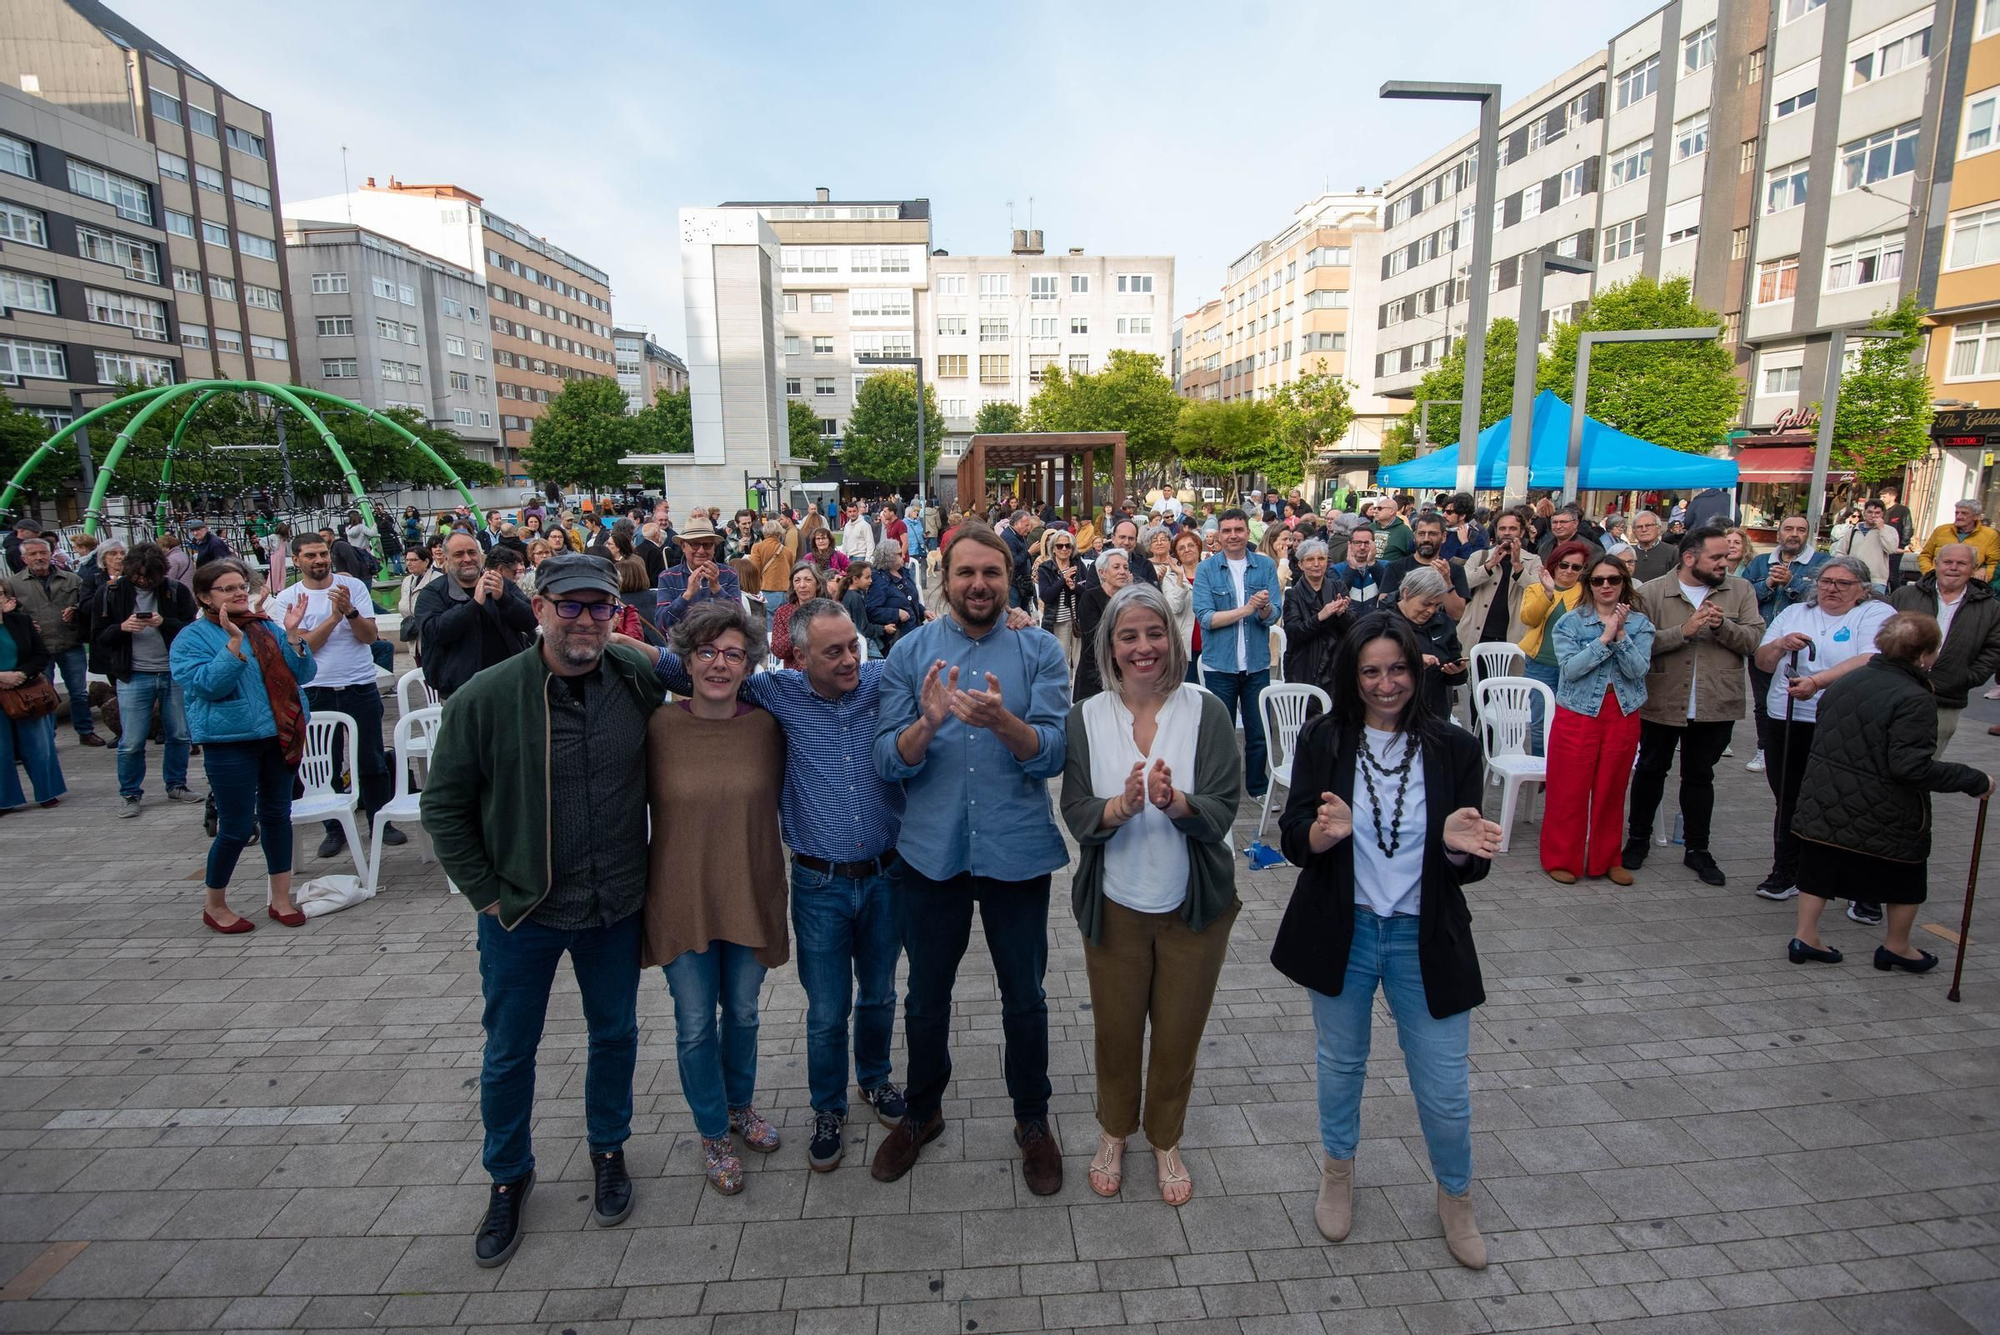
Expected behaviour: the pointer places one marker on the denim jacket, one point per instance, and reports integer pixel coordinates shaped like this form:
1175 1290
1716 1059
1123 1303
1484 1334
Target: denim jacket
1589 664
1775 598
1215 591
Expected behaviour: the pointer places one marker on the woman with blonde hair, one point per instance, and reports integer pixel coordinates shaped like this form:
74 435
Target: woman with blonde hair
1059 579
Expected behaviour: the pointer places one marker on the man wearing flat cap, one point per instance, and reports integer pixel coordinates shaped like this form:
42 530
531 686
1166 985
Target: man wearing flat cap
536 805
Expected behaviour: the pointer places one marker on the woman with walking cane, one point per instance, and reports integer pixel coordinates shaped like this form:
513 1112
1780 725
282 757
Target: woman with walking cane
1863 815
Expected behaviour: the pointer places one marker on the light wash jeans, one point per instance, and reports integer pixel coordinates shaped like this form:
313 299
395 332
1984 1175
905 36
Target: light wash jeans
1550 676
1435 1052
135 713
718 1063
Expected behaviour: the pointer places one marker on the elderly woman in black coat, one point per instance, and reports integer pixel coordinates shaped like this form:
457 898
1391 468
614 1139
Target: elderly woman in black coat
1864 808
1317 613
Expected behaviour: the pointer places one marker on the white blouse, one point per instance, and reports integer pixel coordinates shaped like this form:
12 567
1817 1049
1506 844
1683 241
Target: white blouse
1146 861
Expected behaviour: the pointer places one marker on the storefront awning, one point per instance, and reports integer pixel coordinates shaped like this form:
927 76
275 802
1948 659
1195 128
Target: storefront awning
1781 463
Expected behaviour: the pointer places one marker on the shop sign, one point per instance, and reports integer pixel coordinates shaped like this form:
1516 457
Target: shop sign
1795 419
1965 421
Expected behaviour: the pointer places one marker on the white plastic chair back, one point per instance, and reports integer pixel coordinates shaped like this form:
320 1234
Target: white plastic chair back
414 693
1283 709
1506 715
316 769
416 735
1498 659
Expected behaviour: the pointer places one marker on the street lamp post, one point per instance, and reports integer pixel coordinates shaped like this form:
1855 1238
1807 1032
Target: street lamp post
1836 353
1527 356
1573 463
1488 97
1424 423
878 359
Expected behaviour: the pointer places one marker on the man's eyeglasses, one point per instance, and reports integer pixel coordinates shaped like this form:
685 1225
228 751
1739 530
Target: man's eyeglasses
1606 581
708 653
569 609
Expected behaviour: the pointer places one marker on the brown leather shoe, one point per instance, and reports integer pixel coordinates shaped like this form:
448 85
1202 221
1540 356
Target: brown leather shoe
1618 875
1993 731
898 1153
1041 1157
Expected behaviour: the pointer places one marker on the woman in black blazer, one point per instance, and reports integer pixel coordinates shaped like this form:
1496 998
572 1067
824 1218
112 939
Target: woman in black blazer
1384 818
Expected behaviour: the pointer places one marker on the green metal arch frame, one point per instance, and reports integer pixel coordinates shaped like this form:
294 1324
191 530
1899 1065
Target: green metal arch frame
158 397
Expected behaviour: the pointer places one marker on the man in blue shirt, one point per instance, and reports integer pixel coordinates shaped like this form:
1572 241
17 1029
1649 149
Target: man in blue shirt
1780 578
973 719
1237 600
700 579
1363 577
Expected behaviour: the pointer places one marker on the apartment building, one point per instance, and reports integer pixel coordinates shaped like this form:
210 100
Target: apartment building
1000 321
547 312
645 368
83 295
388 326
1198 351
211 187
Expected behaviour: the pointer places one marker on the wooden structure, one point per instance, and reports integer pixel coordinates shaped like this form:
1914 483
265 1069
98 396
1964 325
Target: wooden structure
1035 455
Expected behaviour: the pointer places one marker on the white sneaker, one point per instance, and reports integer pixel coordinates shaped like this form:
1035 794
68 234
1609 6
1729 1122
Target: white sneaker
1728 751
1756 763
1993 692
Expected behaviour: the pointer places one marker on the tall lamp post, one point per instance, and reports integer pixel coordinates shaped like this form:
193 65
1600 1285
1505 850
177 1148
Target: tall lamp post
1527 357
1487 95
1424 422
1573 463
1836 353
878 359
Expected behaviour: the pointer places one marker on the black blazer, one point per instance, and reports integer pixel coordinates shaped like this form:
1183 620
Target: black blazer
1318 928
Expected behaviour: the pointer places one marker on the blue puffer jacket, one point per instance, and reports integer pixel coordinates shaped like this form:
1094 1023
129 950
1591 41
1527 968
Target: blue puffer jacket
225 694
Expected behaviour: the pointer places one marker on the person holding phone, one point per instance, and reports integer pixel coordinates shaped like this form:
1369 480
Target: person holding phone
139 614
1604 650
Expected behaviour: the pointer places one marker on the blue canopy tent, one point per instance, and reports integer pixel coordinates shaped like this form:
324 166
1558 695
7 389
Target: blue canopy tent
1612 460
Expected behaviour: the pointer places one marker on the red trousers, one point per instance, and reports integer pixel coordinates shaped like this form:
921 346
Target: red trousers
1590 766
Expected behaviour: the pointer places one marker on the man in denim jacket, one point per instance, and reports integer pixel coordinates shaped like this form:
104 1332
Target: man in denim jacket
1237 600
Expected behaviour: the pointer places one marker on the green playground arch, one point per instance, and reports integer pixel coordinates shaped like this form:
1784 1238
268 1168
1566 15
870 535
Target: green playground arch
191 398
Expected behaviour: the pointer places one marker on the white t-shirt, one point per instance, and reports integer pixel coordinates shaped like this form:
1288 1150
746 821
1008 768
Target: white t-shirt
1697 594
1146 862
1947 610
1384 884
1835 640
1236 572
342 660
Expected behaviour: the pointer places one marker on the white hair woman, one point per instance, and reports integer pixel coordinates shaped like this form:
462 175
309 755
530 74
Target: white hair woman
1114 572
1150 788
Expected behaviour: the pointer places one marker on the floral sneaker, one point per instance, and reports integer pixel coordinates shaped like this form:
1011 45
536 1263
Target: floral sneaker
725 1170
757 1133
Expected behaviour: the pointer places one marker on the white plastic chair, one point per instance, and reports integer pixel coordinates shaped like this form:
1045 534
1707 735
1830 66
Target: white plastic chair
1506 720
320 802
414 693
414 729
1283 709
1496 659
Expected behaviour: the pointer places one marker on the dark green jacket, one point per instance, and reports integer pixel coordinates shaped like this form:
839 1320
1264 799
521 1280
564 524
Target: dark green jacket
486 804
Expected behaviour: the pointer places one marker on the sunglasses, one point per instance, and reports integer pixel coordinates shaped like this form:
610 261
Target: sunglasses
569 609
1569 565
1605 581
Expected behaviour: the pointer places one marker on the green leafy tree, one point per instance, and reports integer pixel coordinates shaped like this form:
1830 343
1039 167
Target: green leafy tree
666 425
996 419
1397 444
21 434
1883 422
579 441
1233 440
1446 381
802 424
881 441
1310 414
1681 394
1131 394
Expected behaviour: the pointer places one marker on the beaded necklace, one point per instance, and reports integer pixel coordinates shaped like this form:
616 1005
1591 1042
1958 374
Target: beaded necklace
1370 765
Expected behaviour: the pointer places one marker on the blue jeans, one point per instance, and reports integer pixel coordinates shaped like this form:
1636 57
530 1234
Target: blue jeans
75 667
252 787
30 742
364 705
1435 1052
718 1069
135 713
1550 676
1242 690
846 930
516 971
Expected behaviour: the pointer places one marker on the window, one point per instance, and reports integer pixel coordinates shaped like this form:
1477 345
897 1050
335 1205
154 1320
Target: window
1079 284
461 381
228 340
27 292
1079 324
215 234
794 345
829 426
338 368
952 407
1782 379
993 369
187 280
1739 243
1798 9
1978 120
1879 157
1877 259
949 285
272 349
1135 324
823 384
208 178
1975 351
1797 102
137 259
335 326
1621 240
951 366
117 368
194 336
1989 17
1777 280
822 303
1746 156
895 259
1574 180
1785 187
486 419
26 226
1135 282
994 286
245 142
201 121
22 357
263 298
1892 57
822 343
1042 288
388 329
993 331
1042 327
479 352
165 108
1691 136
407 295
461 416
1698 50
1079 363
1683 220
949 326
791 303
173 166
451 306
1323 342
1975 239
1327 299
1631 163
329 282
179 224
256 196
17 157
125 195
865 260
1639 82
145 317
383 287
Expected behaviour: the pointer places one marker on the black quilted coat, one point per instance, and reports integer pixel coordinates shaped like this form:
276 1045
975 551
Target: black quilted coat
1874 765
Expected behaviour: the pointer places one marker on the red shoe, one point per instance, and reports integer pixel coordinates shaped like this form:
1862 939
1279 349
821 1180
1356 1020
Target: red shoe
292 919
240 925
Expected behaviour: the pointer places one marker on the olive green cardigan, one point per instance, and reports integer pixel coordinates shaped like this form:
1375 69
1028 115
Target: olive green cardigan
1212 800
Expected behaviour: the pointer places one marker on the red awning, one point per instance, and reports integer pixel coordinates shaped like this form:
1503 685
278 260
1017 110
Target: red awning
1782 463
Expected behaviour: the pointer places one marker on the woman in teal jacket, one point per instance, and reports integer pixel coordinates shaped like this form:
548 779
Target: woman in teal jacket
241 679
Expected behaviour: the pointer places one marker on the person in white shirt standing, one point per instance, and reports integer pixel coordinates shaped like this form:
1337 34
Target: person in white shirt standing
339 627
857 540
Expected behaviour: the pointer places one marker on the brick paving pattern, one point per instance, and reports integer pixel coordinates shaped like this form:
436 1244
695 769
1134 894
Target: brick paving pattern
1676 1132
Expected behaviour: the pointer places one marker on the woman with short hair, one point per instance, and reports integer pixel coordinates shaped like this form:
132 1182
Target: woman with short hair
1058 581
1149 791
1317 615
29 743
1177 582
1114 572
808 583
1604 649
1420 602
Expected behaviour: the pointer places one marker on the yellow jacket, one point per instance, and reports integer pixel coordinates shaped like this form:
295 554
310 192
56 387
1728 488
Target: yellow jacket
1540 611
1982 540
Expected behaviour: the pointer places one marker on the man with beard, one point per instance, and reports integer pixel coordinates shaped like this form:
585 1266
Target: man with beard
1706 626
536 804
973 725
1429 533
1359 573
1780 578
471 619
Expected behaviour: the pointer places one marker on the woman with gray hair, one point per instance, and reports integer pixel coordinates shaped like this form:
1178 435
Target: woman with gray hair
1114 572
1806 648
893 601
1150 788
1420 603
1317 614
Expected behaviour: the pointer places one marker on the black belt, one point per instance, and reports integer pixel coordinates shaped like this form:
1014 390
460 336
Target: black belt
853 871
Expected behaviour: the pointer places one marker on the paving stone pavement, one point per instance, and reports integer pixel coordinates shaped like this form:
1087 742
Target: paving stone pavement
1676 1132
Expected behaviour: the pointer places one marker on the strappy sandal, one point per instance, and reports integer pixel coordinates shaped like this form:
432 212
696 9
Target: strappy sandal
1108 1164
1176 1187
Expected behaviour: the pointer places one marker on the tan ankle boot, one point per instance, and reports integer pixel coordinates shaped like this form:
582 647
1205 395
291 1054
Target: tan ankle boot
1461 1231
1334 1212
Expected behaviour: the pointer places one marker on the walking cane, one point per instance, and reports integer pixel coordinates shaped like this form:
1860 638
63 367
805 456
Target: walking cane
1971 884
1785 761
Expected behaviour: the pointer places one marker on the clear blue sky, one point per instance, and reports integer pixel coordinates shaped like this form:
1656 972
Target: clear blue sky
1163 127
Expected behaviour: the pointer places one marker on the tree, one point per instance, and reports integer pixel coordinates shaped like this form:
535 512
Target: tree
1311 414
881 440
21 434
1883 420
666 425
1131 394
997 419
1232 439
583 435
1446 381
1681 394
806 441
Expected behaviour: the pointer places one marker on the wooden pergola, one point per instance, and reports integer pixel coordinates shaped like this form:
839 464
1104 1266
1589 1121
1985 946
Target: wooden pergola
1035 454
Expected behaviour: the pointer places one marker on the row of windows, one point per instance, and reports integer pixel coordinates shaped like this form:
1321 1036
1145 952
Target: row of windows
1041 287
495 260
131 199
50 361
535 306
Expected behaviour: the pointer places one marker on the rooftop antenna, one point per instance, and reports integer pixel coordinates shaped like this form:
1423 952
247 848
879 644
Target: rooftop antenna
1010 217
346 191
1031 213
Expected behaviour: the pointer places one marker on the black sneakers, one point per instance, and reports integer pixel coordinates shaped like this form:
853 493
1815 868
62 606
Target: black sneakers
614 1189
1868 915
1634 856
335 840
1701 864
1771 888
500 1231
887 1101
828 1145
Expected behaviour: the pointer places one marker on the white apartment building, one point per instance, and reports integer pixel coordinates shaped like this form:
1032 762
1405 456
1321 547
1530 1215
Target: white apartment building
645 368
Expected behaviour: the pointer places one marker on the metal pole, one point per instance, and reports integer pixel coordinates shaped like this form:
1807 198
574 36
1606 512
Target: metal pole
921 470
1573 461
1424 422
284 457
83 442
1476 285
1527 352
1836 353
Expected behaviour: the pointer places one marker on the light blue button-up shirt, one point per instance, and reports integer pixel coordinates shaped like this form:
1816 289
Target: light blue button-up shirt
971 807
